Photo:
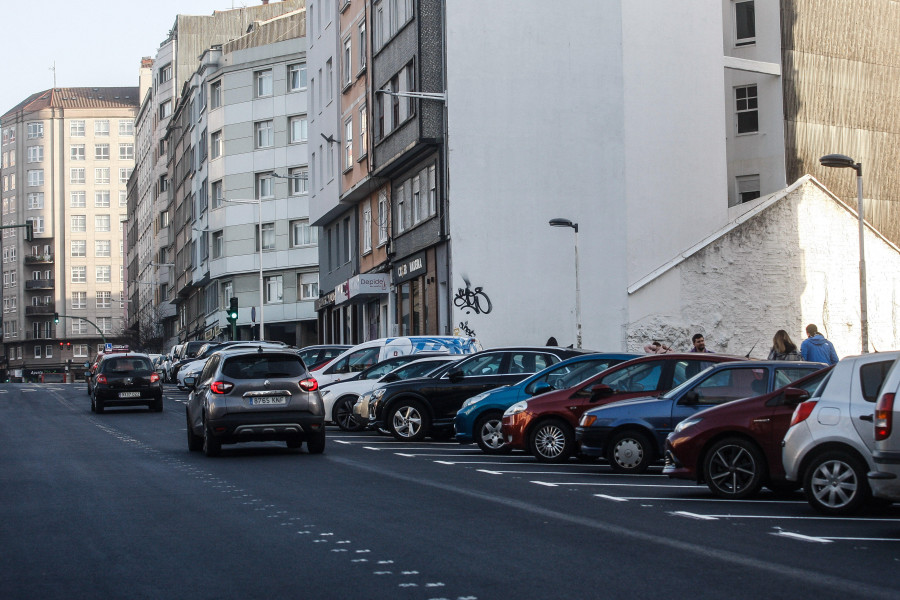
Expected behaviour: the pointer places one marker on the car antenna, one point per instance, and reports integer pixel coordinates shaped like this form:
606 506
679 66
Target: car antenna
751 349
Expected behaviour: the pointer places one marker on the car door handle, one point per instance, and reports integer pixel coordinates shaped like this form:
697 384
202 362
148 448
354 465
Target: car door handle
869 418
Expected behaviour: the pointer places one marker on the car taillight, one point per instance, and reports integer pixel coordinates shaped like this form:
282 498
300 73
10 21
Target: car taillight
154 377
221 387
309 384
884 411
101 379
802 412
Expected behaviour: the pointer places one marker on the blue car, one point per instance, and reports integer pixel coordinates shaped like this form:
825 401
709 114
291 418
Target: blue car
631 434
480 417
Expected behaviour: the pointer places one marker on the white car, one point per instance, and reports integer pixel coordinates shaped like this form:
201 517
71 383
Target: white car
339 397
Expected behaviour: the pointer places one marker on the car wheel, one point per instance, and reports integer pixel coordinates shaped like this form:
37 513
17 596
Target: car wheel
98 404
93 405
488 435
734 468
835 483
629 452
408 422
157 405
343 414
195 442
211 446
552 441
315 442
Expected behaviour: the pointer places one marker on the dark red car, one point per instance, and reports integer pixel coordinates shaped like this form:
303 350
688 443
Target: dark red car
735 448
544 425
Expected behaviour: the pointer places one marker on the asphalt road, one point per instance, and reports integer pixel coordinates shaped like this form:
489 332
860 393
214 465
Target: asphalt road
114 506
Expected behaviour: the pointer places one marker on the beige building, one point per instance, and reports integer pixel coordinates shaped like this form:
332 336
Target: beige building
67 154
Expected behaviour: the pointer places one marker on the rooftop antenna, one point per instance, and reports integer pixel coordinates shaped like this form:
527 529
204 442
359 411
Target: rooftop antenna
53 68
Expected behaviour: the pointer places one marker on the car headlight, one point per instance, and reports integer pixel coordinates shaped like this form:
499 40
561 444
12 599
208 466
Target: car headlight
516 408
685 424
474 399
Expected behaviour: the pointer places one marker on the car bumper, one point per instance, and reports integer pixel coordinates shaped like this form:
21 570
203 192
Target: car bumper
885 481
111 397
673 467
270 425
514 430
592 440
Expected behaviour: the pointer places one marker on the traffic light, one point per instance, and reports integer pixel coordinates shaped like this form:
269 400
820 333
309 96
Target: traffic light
56 317
233 311
29 231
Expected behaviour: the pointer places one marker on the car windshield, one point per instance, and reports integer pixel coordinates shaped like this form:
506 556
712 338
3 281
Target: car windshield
674 392
135 365
563 376
254 366
193 348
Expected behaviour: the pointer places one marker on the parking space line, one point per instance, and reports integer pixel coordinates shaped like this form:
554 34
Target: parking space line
526 472
801 537
411 455
629 485
861 539
716 500
690 515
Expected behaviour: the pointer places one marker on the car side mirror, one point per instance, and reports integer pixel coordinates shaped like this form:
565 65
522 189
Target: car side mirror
692 397
541 388
87 365
455 375
795 395
600 391
389 377
87 374
189 382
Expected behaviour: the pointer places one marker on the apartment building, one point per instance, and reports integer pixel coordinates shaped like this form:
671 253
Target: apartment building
67 156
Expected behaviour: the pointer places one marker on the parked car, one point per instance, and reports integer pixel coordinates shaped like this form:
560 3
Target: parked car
884 479
362 356
416 408
829 444
192 368
364 409
480 416
248 395
189 352
126 379
545 425
735 448
316 356
631 433
340 397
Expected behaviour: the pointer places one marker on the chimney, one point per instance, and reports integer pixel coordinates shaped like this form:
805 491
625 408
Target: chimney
265 2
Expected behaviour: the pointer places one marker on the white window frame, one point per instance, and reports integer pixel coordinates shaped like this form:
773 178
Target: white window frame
299 131
297 77
265 134
263 83
79 274
274 289
747 104
101 127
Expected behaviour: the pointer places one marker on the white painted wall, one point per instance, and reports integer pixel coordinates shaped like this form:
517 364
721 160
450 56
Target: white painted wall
605 113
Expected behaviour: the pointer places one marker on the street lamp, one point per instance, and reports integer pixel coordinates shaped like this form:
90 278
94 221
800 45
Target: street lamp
841 161
258 203
568 223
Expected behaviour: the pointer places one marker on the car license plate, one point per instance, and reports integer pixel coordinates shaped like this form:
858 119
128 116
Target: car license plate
268 400
129 394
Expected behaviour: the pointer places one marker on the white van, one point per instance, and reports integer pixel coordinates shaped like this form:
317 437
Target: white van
364 355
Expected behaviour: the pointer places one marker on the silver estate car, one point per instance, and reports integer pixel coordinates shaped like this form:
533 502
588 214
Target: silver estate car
253 395
885 478
828 446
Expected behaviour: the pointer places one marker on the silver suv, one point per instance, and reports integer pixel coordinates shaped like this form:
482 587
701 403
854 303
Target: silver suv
252 395
828 447
884 479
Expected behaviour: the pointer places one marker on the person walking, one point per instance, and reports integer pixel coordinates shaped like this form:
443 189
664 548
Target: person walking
816 348
783 348
699 343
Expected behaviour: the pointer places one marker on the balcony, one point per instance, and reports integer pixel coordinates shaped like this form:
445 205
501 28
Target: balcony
39 284
39 259
30 335
40 309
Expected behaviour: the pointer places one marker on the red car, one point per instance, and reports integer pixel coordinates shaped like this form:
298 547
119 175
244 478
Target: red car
544 425
735 448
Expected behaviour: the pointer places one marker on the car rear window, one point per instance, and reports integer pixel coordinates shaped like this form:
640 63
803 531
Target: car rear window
127 365
253 366
871 376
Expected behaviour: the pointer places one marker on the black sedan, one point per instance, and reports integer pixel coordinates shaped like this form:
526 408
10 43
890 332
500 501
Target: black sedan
126 380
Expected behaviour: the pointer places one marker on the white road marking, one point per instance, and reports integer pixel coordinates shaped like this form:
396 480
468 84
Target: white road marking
488 472
613 498
859 539
544 483
341 442
690 515
629 485
803 538
662 499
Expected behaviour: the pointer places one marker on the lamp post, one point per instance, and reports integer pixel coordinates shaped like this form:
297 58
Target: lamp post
841 161
568 223
258 203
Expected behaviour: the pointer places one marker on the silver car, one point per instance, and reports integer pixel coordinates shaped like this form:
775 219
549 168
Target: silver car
253 395
885 478
828 447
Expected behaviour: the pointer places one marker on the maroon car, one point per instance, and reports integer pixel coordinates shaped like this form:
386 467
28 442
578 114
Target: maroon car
735 448
544 425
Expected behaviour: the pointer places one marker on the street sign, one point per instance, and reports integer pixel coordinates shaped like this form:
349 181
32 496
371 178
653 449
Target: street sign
108 346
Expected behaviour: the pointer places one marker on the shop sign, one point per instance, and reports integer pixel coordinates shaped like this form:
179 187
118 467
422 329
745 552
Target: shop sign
342 293
326 300
369 284
410 268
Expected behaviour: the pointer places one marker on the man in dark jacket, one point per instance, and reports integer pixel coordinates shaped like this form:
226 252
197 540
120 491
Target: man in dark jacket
815 348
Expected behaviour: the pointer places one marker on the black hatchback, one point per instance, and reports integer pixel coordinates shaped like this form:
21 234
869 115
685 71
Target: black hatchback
126 380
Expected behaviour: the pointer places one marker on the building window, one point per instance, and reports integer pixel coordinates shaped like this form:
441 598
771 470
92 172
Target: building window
124 174
218 244
744 23
309 290
79 248
101 152
78 199
348 144
123 198
265 137
35 154
102 248
382 217
297 76
165 109
367 228
274 291
104 274
263 83
361 36
35 177
76 152
126 151
76 128
299 179
34 130
329 81
101 223
217 194
363 122
268 236
264 187
101 127
79 274
215 144
35 200
37 224
101 199
298 129
747 187
302 234
165 73
104 324
79 223
747 109
80 327
79 300
79 350
37 349
101 175
126 127
215 95
76 175
104 299
346 58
